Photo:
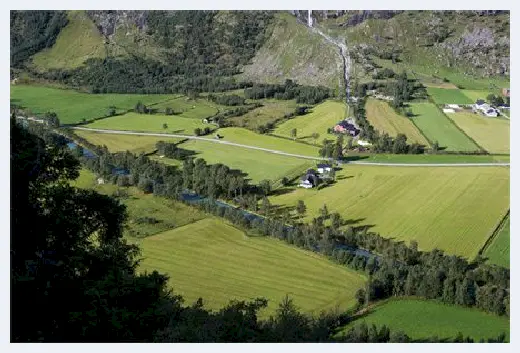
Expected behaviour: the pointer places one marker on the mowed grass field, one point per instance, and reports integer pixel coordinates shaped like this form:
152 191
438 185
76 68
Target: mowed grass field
269 112
498 251
258 165
492 134
450 208
421 319
448 96
247 137
428 158
215 261
320 118
437 127
188 108
473 95
385 119
72 106
169 214
120 143
150 123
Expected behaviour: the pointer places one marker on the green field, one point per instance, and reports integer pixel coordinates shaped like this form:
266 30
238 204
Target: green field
453 209
320 118
72 106
78 41
150 123
498 251
473 95
258 165
215 261
421 319
189 108
437 127
448 96
169 213
492 134
117 143
427 158
246 137
269 112
383 118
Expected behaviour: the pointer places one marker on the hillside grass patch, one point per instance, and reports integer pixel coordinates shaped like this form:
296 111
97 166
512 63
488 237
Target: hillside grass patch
449 208
438 127
270 111
215 261
383 118
492 134
318 120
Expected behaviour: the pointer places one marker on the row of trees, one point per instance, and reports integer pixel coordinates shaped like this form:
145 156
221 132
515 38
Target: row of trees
229 99
290 90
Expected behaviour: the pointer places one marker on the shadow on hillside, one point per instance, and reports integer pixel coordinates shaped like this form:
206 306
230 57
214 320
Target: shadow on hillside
281 191
353 158
350 222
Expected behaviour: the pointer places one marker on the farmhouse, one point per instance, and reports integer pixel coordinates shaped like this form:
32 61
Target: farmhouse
100 181
322 168
448 110
309 180
345 127
485 108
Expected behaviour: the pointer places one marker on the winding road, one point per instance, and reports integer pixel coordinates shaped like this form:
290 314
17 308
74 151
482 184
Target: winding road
136 133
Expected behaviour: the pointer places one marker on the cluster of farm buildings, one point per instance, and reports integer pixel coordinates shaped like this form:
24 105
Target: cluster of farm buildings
312 177
480 107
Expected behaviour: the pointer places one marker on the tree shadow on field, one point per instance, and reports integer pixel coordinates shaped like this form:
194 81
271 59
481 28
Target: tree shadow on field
281 191
349 222
343 177
178 131
363 227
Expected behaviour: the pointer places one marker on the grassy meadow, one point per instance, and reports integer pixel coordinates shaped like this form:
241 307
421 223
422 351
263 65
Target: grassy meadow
215 261
78 41
498 251
150 123
450 208
118 143
473 95
385 119
422 319
269 112
319 119
169 214
448 96
188 108
428 158
437 127
492 134
258 165
247 137
72 106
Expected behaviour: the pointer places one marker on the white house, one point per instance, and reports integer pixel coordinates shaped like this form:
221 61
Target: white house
448 110
306 184
453 106
100 181
363 143
322 168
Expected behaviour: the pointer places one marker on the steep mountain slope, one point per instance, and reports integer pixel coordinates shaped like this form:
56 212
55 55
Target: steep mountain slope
292 51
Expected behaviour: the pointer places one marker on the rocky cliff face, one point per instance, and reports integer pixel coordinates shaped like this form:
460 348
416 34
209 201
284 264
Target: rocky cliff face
109 21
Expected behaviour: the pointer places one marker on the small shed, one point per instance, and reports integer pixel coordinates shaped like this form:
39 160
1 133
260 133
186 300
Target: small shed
448 110
100 181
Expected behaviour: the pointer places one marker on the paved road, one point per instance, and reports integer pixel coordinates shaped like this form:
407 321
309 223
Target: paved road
120 132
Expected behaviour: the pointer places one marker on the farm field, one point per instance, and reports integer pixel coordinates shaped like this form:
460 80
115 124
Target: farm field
385 119
437 127
168 213
271 110
421 319
320 118
428 158
188 108
118 143
258 165
215 261
492 134
247 137
450 208
150 123
498 251
72 106
448 96
476 94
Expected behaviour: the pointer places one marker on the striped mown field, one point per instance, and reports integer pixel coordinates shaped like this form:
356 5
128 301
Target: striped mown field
498 251
449 208
215 261
385 119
